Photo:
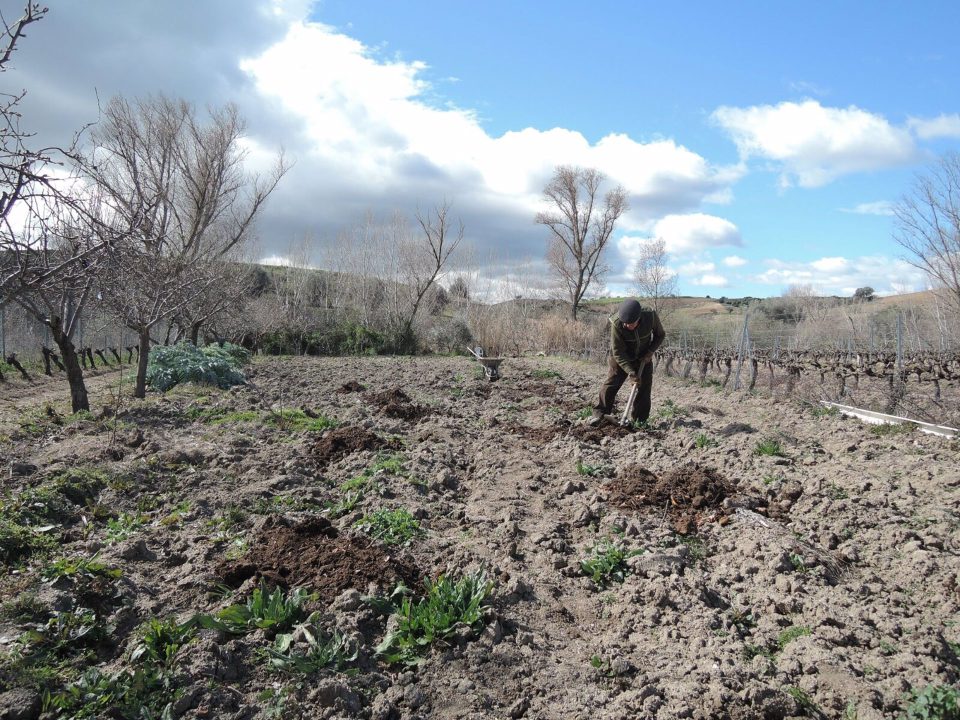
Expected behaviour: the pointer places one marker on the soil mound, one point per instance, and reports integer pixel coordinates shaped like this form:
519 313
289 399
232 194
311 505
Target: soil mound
351 386
687 493
594 435
313 554
342 441
396 403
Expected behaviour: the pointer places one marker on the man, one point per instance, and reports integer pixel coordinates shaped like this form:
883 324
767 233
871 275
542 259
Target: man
635 334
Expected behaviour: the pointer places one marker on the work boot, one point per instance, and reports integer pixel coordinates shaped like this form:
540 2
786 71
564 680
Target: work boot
595 419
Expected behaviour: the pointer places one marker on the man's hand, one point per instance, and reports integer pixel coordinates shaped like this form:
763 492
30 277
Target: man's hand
647 357
634 378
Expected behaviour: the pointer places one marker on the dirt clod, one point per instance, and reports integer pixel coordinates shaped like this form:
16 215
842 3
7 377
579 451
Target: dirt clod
396 403
687 493
313 554
342 441
351 386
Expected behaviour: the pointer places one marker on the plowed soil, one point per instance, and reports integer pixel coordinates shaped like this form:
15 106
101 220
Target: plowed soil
819 583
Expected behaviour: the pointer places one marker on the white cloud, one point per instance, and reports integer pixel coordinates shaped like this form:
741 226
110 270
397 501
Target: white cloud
830 264
734 261
372 136
842 276
695 268
880 207
694 232
815 144
710 280
942 126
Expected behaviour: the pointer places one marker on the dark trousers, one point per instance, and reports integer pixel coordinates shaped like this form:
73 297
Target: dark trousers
615 379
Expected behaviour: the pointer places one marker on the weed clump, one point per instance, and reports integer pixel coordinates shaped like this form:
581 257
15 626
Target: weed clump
215 365
391 527
934 702
607 561
444 606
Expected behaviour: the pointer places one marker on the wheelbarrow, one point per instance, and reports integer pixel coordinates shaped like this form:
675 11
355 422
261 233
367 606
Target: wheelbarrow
491 365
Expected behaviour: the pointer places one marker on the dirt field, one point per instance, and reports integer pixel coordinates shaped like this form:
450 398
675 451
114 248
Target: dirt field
818 580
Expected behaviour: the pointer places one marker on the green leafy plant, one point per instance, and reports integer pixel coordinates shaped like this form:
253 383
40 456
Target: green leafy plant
821 411
391 527
769 447
210 365
161 640
309 649
704 441
123 526
670 410
892 429
274 611
607 561
934 702
445 606
835 492
798 563
79 567
545 374
587 470
584 413
791 634
804 701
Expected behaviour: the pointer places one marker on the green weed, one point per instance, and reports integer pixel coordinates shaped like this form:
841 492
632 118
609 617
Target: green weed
273 611
123 526
445 606
584 413
791 634
798 563
587 470
670 410
770 447
309 649
822 411
73 568
161 640
607 562
704 441
545 374
391 527
892 429
934 702
835 492
804 701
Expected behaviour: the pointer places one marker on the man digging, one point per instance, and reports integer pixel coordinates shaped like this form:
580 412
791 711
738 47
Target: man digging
635 334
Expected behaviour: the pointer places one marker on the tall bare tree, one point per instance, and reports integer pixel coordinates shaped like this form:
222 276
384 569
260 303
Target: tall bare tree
416 261
178 200
32 190
580 223
57 298
655 281
927 225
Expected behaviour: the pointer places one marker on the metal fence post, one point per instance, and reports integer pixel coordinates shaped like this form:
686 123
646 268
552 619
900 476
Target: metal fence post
899 343
3 332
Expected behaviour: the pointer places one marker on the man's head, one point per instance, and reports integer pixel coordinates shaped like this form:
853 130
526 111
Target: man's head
629 313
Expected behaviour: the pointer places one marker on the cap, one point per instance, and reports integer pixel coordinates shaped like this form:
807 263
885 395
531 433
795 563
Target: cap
629 311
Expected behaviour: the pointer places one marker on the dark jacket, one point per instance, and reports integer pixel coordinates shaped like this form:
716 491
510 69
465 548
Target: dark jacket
628 346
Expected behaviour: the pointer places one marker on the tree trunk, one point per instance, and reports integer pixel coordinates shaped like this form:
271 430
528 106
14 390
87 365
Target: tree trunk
195 333
140 391
78 388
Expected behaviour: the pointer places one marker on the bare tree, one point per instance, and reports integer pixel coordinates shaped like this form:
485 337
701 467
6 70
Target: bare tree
62 253
416 262
580 228
655 281
30 188
927 225
177 199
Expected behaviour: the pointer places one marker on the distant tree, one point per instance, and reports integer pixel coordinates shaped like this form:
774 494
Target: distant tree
927 225
864 294
580 223
655 281
460 288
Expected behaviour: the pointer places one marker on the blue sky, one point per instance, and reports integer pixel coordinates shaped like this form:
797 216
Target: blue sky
763 141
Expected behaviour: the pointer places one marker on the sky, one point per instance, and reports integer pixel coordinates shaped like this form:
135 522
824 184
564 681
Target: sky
764 142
